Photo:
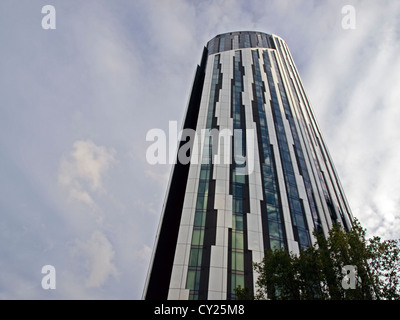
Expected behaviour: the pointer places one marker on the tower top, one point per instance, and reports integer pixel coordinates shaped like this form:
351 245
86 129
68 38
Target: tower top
240 39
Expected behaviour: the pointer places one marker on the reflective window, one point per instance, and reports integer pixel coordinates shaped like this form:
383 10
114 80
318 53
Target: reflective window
237 240
271 196
199 218
238 180
297 213
196 249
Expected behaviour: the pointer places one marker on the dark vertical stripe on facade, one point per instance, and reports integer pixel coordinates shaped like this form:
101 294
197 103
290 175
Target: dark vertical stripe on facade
209 240
266 154
238 110
161 269
202 268
299 221
229 266
248 255
263 207
210 232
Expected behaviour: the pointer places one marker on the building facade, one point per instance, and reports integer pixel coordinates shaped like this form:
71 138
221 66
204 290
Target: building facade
259 177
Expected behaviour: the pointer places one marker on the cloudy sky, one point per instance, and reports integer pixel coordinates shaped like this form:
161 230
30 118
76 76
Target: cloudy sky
76 191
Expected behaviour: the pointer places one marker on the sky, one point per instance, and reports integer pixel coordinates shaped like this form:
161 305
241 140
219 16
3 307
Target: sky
76 102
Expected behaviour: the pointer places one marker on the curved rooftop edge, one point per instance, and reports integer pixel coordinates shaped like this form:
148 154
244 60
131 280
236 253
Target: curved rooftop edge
240 39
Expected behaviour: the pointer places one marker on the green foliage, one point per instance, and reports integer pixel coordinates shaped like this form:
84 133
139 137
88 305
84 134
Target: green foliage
384 267
317 273
243 293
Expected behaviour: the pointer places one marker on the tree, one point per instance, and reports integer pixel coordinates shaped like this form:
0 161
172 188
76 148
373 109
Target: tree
384 267
343 265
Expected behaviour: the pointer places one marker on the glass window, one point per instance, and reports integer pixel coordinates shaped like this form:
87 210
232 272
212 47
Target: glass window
239 178
198 218
233 283
286 156
274 229
190 279
259 41
276 244
237 261
247 40
269 184
204 174
201 202
238 205
238 190
194 252
272 212
237 280
240 280
203 187
292 191
291 179
270 198
236 42
197 279
222 44
299 221
267 170
303 237
198 237
297 208
237 240
238 222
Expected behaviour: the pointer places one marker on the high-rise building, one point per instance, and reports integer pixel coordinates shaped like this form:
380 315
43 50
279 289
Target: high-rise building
259 177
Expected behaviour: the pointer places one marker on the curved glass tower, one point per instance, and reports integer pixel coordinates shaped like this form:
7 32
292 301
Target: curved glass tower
259 177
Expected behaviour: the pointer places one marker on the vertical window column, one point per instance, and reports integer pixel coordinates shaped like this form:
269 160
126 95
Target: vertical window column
239 185
296 208
271 206
197 244
297 146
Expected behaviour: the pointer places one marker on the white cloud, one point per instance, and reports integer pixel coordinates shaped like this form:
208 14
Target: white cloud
82 172
92 162
98 255
82 196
